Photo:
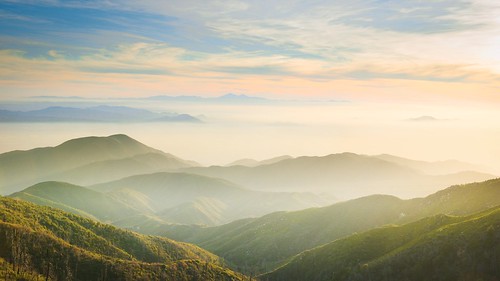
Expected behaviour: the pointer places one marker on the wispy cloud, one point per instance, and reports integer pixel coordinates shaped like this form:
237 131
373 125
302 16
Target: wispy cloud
239 41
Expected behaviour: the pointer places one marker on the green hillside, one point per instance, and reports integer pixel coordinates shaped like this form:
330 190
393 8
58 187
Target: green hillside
262 244
19 169
67 246
76 199
166 198
434 248
9 272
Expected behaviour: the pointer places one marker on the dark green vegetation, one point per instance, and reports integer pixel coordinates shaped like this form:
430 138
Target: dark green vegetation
86 160
62 246
345 175
260 245
8 272
435 248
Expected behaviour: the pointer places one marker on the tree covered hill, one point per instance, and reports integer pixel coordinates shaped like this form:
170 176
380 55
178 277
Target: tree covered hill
64 246
435 248
76 199
262 244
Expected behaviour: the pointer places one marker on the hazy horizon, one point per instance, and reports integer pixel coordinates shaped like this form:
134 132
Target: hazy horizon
368 101
386 62
259 131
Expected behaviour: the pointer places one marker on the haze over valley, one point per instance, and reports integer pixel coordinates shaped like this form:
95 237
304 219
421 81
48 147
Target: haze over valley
237 140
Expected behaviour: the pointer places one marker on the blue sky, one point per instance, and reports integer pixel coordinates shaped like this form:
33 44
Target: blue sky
269 48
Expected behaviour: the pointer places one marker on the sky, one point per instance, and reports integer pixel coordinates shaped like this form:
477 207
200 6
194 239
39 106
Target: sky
389 62
357 50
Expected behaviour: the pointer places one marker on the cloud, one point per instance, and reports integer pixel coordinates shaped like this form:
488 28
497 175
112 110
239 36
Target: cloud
234 41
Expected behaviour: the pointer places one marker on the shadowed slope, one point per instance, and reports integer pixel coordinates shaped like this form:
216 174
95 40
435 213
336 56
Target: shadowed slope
259 245
69 246
434 248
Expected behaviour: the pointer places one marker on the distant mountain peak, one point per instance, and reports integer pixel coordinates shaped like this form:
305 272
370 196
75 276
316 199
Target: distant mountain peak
232 96
424 118
99 113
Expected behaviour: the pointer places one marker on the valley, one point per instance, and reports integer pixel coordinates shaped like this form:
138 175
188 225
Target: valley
301 232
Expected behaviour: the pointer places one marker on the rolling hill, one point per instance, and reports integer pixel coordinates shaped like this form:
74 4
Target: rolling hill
434 248
194 199
76 199
61 246
165 198
109 170
262 244
19 169
344 175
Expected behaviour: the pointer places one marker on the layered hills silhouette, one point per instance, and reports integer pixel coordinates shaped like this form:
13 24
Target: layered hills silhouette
262 244
345 175
253 163
166 198
101 113
94 160
432 168
85 160
262 218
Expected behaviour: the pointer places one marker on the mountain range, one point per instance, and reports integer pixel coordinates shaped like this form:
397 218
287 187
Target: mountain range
165 198
101 113
262 244
265 219
227 98
254 163
346 175
87 160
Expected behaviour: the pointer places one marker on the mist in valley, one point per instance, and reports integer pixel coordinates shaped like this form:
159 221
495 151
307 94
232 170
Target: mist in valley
243 140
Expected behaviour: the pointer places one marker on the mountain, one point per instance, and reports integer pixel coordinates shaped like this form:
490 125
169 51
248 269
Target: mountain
344 175
424 118
432 168
253 163
244 162
262 244
435 248
76 199
109 170
194 199
102 113
227 98
82 160
45 241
